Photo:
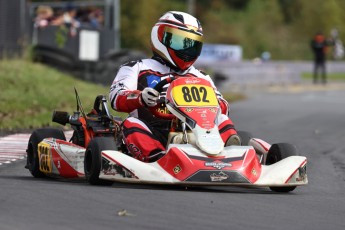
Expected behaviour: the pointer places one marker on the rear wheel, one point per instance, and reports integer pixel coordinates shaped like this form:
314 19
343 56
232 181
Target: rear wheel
276 153
93 159
32 151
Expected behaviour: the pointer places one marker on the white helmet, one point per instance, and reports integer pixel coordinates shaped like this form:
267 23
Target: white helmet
177 38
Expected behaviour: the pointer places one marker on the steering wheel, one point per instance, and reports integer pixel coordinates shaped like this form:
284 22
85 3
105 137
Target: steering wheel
154 110
97 104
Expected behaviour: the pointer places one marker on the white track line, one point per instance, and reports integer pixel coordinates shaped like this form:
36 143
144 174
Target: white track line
13 147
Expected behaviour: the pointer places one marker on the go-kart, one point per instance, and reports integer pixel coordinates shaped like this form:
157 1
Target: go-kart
49 154
198 156
195 154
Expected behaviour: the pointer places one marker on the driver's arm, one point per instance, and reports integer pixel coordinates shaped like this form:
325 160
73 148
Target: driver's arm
124 96
224 106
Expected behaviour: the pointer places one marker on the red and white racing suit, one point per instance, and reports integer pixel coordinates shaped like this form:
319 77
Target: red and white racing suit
145 135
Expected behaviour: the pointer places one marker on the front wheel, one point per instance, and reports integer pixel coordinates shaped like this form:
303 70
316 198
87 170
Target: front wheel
276 153
32 150
283 189
93 159
280 151
245 137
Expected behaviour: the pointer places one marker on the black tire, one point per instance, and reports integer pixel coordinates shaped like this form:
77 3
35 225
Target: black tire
245 137
32 153
283 189
280 151
93 159
276 153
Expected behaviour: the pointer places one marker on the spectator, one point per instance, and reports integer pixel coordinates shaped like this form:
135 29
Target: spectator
44 16
58 20
96 19
70 20
319 45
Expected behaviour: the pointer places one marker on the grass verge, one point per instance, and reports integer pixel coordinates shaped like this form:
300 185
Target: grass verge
330 76
30 92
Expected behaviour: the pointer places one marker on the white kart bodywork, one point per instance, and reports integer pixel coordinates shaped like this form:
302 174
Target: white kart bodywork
286 172
201 158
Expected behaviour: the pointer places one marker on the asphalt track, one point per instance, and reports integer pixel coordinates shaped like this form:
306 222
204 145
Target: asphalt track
314 121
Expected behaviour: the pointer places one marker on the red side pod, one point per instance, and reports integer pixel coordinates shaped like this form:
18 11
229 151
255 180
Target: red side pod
251 167
177 164
181 166
64 168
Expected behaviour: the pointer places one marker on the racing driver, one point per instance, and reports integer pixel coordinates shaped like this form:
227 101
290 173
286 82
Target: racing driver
132 89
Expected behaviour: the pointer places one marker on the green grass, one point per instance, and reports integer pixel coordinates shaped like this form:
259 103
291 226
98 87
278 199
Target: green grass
330 76
232 96
30 92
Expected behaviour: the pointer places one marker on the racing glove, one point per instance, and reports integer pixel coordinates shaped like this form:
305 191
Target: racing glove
150 96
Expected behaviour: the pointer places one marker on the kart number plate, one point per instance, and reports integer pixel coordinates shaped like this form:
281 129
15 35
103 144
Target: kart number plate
44 157
194 95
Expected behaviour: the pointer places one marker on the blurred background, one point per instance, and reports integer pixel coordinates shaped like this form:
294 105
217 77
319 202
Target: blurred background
88 37
246 42
269 30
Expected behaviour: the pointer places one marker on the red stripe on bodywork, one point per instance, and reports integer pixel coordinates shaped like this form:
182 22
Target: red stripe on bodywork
65 169
264 145
304 162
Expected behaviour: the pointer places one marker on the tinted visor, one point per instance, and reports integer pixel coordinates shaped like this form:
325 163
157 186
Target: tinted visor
186 44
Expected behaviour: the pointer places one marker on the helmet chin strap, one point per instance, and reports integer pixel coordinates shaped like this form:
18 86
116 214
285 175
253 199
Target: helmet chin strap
164 62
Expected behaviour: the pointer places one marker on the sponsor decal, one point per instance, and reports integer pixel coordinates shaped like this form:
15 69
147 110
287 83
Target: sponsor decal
213 110
217 164
134 150
152 80
254 172
192 81
131 96
162 109
189 110
302 171
118 85
112 169
217 177
213 136
177 169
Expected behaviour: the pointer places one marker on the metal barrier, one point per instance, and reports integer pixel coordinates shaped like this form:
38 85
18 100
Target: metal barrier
13 27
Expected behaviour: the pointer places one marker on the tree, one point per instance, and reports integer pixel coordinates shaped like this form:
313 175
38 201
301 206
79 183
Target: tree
139 16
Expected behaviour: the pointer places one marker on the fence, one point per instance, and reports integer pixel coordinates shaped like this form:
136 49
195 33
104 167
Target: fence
13 27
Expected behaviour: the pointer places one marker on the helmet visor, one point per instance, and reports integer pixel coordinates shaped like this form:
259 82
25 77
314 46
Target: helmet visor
184 42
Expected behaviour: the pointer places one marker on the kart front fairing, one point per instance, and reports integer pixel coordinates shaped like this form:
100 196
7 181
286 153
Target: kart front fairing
205 160
185 164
